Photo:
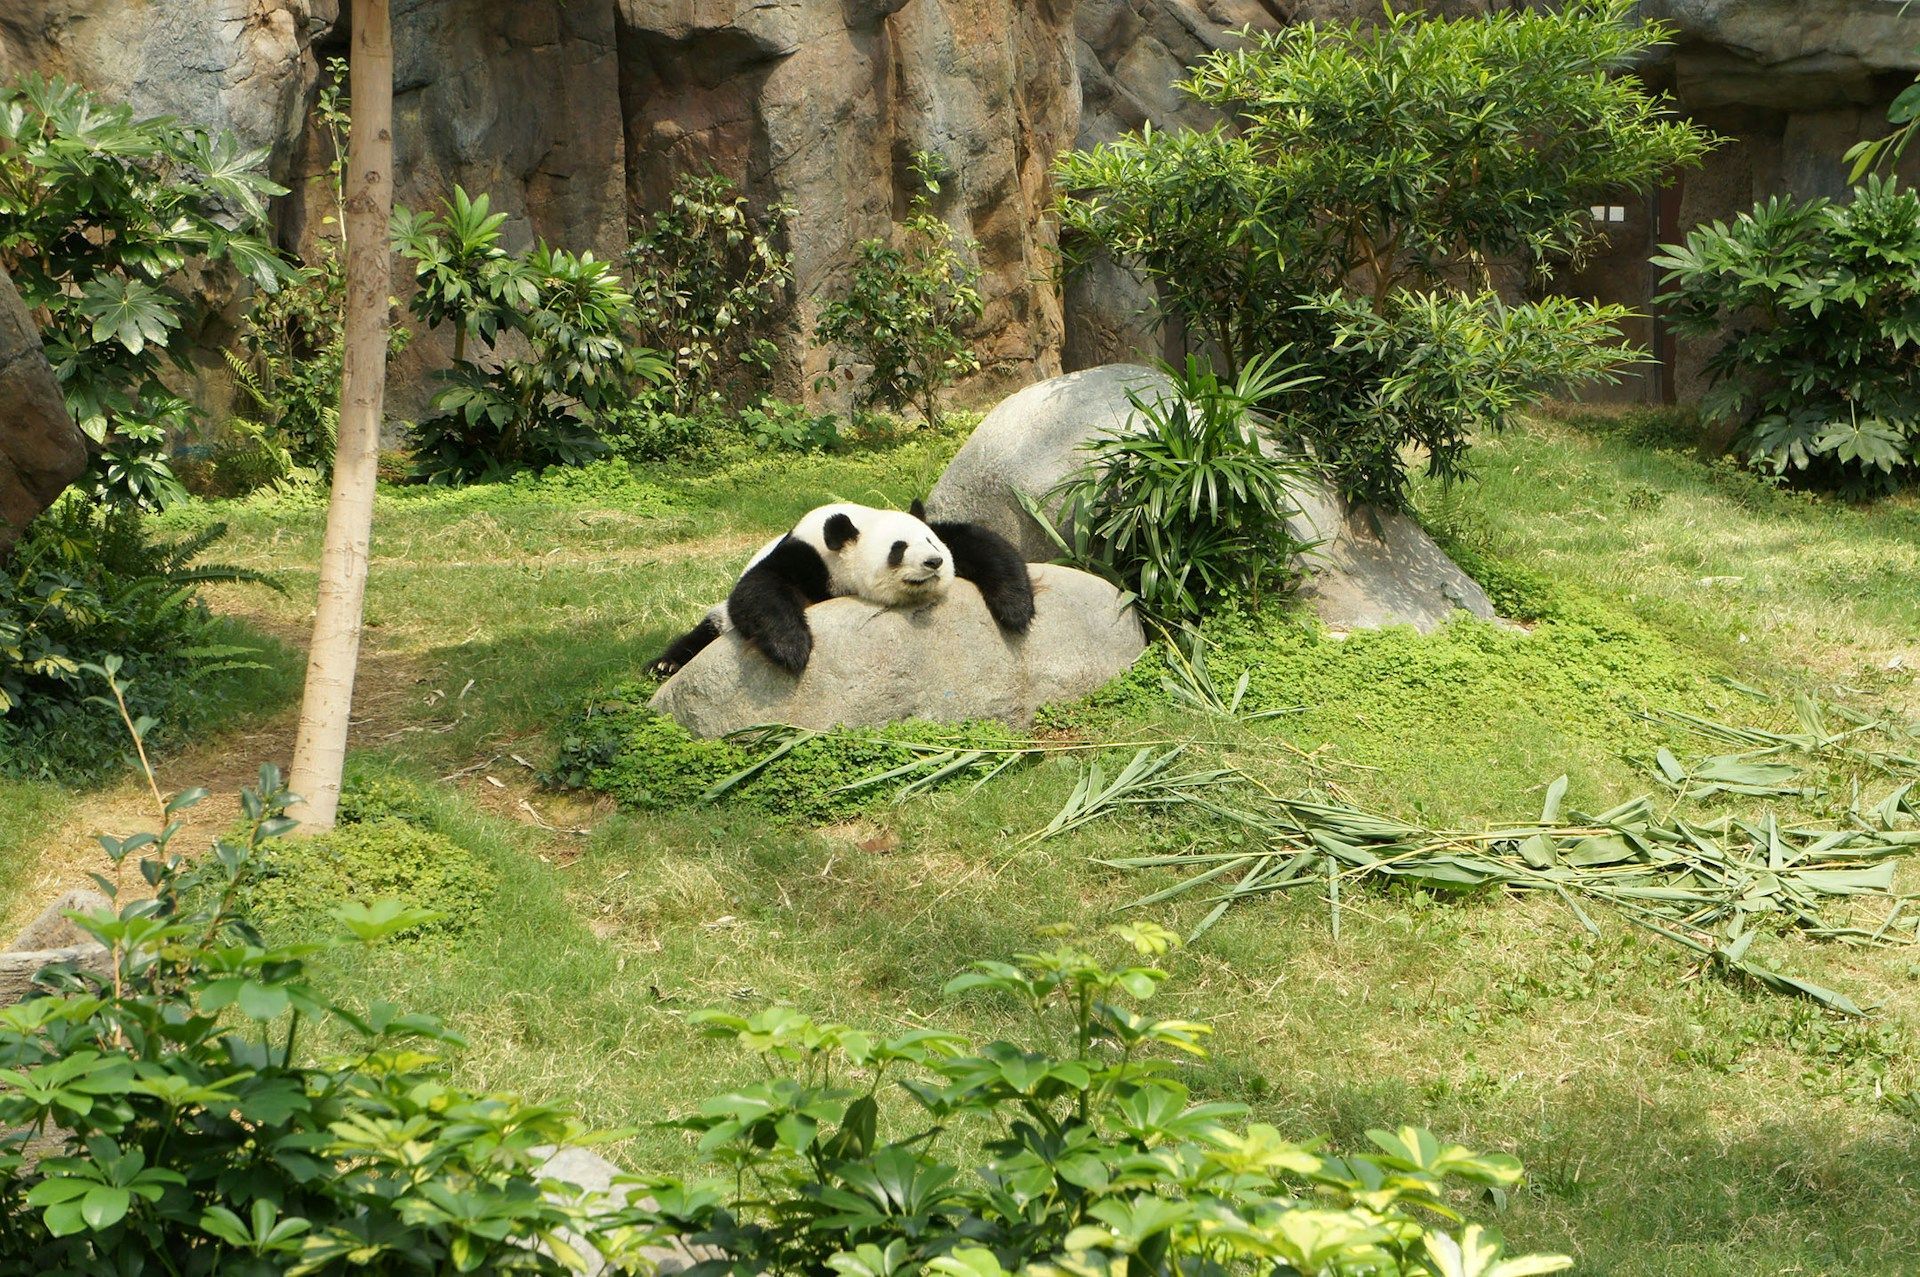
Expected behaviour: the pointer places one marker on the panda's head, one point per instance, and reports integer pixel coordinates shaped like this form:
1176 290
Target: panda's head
885 556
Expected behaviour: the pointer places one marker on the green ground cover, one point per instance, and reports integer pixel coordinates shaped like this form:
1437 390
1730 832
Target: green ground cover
1673 1122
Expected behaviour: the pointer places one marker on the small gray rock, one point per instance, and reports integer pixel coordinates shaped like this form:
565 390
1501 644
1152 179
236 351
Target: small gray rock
593 1175
1371 568
51 938
947 662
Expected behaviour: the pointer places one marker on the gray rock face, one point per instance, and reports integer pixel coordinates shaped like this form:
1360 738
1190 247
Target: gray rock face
41 450
1372 569
948 662
578 115
240 65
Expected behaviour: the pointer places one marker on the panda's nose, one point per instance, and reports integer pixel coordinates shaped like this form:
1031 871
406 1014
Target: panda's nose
933 563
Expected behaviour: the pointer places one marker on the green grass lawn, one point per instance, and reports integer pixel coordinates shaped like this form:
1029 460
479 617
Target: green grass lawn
1673 1123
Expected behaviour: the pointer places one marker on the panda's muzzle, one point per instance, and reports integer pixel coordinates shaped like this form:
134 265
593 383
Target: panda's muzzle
932 565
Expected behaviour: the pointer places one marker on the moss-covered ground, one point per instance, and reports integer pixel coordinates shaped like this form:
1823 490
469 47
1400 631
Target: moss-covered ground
1673 1122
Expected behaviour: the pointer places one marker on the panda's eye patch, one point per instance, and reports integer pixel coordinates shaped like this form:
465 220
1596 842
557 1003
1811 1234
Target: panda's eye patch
897 554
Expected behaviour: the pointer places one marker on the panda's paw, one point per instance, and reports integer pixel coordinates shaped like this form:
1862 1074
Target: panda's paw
665 667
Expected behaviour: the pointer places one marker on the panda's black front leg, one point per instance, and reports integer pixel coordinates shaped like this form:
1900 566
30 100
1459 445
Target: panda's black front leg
770 612
686 647
996 569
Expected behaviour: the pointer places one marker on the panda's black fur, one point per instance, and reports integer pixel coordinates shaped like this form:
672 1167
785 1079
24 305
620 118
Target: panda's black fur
987 559
898 559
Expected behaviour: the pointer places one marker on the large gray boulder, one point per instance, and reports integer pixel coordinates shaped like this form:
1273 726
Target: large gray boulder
1371 568
946 662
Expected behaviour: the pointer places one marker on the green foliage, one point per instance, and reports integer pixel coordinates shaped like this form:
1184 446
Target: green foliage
188 1136
1078 1151
291 347
1187 510
1885 152
100 215
648 761
368 859
1354 211
1820 307
1584 669
775 425
907 309
369 794
513 411
708 279
85 583
647 431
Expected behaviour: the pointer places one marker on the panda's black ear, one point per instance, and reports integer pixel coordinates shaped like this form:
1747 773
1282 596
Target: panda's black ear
840 531
918 509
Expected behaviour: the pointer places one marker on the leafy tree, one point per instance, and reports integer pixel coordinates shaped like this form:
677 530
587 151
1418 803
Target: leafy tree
100 217
1359 205
333 657
906 310
572 314
706 279
1819 307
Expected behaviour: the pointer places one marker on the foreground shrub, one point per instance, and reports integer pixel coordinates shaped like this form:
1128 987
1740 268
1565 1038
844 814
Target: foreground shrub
1077 1150
86 585
1819 305
1187 510
189 1136
102 218
1352 212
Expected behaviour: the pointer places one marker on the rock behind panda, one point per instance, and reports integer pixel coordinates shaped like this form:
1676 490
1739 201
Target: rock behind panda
886 557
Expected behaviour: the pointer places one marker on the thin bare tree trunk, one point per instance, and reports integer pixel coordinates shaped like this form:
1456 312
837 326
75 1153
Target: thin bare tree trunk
320 752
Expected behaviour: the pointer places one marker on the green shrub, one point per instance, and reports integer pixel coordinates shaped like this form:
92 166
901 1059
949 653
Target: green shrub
906 310
708 282
375 857
648 430
1584 669
188 1134
85 583
1188 511
369 794
1074 1149
775 425
1353 207
648 761
1820 366
571 314
102 218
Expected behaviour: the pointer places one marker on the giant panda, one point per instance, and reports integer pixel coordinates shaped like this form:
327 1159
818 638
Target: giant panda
882 556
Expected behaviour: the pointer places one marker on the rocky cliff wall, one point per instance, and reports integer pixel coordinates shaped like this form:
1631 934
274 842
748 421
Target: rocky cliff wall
578 116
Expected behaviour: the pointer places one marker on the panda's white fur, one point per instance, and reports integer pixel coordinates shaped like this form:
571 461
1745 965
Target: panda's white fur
866 567
887 557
